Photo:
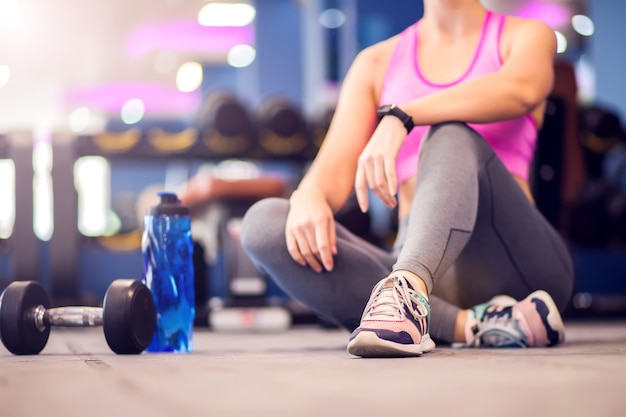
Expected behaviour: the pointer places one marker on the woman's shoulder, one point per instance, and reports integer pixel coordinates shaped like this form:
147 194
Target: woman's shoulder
380 50
514 23
375 59
372 62
520 30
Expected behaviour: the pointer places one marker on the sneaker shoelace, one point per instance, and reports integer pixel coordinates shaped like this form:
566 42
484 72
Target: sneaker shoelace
389 298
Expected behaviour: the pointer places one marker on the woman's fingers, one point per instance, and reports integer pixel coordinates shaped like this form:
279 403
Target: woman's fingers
360 188
324 244
304 247
332 233
293 249
392 180
308 252
310 233
381 172
380 176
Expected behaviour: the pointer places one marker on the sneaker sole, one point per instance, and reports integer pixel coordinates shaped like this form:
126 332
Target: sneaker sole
368 345
554 317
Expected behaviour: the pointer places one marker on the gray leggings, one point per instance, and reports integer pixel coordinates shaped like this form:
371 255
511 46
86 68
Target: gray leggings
471 234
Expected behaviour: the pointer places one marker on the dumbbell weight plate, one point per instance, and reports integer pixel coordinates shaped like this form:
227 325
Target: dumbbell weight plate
129 316
17 323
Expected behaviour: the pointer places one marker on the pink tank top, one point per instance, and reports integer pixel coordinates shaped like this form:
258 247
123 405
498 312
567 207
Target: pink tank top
512 140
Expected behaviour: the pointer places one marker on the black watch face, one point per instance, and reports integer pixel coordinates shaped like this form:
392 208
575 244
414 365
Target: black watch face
385 110
392 109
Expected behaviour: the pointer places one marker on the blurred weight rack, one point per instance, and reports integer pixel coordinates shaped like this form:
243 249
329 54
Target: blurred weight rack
225 144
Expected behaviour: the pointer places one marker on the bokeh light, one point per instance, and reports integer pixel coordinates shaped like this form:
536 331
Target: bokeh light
133 111
79 119
226 14
583 25
332 18
241 56
561 42
189 77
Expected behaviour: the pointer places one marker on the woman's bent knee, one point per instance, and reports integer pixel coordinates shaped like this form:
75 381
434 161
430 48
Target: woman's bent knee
263 224
455 143
453 132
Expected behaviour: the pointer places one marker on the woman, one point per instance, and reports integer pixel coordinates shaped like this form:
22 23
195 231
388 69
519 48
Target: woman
444 116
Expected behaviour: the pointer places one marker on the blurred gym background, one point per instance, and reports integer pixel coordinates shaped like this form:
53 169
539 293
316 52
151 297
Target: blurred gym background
104 103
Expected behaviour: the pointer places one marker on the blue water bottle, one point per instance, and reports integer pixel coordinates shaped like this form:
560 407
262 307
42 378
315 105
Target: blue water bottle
168 267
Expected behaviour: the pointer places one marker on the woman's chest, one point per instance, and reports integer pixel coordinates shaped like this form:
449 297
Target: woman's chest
441 62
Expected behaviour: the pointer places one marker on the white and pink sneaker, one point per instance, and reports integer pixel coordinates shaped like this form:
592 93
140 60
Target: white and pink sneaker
502 322
394 323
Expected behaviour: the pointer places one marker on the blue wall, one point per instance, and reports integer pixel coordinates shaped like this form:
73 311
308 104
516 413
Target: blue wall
278 44
379 20
608 53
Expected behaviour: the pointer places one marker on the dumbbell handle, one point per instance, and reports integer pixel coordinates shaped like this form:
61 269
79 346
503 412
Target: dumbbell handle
68 317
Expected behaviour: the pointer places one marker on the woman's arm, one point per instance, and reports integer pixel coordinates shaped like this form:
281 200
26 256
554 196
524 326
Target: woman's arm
333 170
523 83
310 231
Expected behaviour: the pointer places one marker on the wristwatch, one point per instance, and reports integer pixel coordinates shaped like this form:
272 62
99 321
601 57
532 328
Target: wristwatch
393 110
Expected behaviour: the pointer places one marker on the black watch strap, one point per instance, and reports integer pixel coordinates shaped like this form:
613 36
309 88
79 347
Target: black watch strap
393 110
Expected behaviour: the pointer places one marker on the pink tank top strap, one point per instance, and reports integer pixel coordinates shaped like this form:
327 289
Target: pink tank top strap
491 38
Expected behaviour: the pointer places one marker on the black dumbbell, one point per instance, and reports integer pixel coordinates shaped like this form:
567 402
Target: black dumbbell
128 317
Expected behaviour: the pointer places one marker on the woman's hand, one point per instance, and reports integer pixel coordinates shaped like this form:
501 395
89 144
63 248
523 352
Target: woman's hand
310 231
377 163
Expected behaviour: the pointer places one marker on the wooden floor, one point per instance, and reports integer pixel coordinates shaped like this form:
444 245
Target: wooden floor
306 372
